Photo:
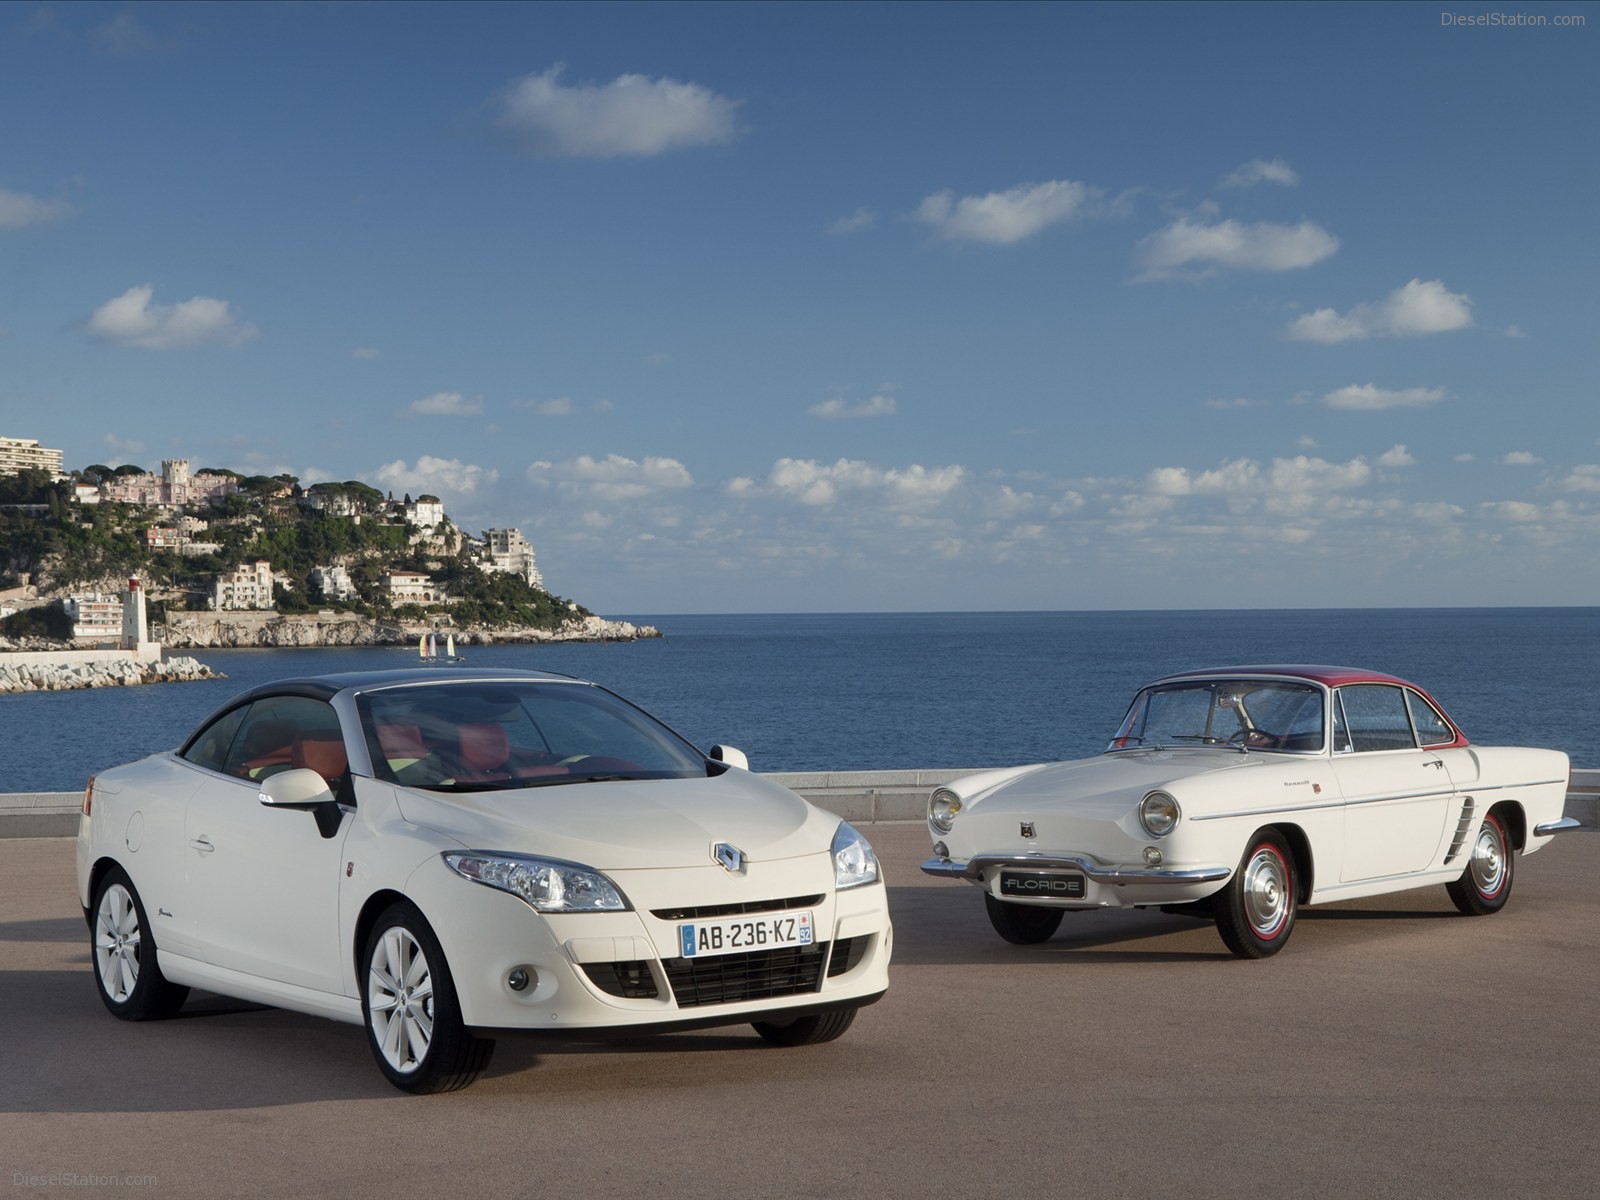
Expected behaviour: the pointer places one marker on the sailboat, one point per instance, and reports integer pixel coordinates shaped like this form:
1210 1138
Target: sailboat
428 650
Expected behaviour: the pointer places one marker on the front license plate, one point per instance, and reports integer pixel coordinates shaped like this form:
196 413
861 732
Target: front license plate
1040 886
740 935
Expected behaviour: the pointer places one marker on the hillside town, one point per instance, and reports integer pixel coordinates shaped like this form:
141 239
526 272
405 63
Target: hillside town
213 541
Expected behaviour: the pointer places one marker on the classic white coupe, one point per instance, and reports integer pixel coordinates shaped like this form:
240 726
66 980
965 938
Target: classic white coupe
441 857
1241 794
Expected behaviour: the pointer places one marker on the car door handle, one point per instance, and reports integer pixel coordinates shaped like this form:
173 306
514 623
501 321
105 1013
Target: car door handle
1434 762
202 844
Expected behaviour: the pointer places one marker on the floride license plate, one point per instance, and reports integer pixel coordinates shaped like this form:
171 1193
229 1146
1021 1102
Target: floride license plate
1040 885
740 935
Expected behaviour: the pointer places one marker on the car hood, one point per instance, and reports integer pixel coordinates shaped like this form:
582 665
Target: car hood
1106 781
630 824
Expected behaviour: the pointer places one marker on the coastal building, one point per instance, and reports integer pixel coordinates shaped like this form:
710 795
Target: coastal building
25 454
245 590
412 587
86 493
161 537
334 583
175 487
509 553
94 615
425 512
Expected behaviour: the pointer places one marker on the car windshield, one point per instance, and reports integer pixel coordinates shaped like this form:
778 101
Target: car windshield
490 735
1251 714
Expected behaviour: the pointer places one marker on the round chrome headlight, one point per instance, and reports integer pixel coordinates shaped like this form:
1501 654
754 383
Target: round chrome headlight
943 806
1158 813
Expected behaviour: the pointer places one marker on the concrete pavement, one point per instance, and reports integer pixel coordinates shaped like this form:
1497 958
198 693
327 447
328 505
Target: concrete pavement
1393 1049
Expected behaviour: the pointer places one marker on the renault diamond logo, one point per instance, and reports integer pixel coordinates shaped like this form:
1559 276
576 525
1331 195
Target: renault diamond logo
1028 830
731 857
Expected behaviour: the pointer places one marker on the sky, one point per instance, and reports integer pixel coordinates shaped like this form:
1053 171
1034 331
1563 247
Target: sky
841 307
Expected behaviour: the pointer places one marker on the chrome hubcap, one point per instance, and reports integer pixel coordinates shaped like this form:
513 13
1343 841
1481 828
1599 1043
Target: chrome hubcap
1488 860
400 999
116 943
1266 892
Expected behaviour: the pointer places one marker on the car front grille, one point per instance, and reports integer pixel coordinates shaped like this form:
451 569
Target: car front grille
707 911
760 975
731 978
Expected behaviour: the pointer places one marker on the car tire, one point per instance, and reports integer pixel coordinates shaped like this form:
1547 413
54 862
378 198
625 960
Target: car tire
1022 924
123 950
1256 909
1485 884
808 1030
410 1009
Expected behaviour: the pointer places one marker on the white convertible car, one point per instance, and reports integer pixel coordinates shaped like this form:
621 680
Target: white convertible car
1240 795
440 857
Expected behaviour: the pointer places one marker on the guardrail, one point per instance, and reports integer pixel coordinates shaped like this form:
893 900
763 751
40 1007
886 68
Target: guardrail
865 797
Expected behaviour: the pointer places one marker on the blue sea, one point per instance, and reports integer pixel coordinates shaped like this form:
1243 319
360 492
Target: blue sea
879 691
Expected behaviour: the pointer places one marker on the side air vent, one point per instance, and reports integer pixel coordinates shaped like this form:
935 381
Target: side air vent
1462 826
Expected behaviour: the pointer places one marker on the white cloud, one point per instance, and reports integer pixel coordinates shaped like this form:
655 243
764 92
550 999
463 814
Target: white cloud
820 485
1259 247
1414 310
612 479
1260 170
858 221
1520 458
1465 458
632 116
1582 478
435 476
1236 402
837 409
1515 331
367 353
1368 398
19 210
1397 456
447 404
1246 477
1002 218
1512 510
560 406
132 320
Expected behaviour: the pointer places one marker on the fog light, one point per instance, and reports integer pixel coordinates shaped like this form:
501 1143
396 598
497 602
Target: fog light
940 850
1152 856
519 980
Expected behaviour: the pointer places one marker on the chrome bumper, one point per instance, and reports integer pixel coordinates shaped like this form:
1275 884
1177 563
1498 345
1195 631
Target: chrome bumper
1564 825
979 864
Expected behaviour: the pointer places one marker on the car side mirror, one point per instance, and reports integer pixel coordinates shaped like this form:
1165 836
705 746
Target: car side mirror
297 788
731 755
303 788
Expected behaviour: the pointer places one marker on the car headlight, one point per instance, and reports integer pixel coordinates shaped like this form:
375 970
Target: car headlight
943 806
1159 813
854 863
549 885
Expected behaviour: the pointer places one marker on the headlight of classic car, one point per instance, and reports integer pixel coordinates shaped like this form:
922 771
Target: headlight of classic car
854 863
943 806
547 884
1159 813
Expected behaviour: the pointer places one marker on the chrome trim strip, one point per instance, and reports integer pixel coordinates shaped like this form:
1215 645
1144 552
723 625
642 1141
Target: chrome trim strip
975 866
1268 812
1564 825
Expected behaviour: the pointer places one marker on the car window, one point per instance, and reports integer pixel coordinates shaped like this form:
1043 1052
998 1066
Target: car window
281 733
1263 714
515 734
1375 718
209 747
1432 728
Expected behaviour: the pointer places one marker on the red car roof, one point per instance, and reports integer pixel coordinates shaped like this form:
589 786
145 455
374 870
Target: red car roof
1325 675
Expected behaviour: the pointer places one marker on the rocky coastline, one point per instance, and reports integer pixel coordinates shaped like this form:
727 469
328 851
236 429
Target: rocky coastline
197 631
120 672
201 631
